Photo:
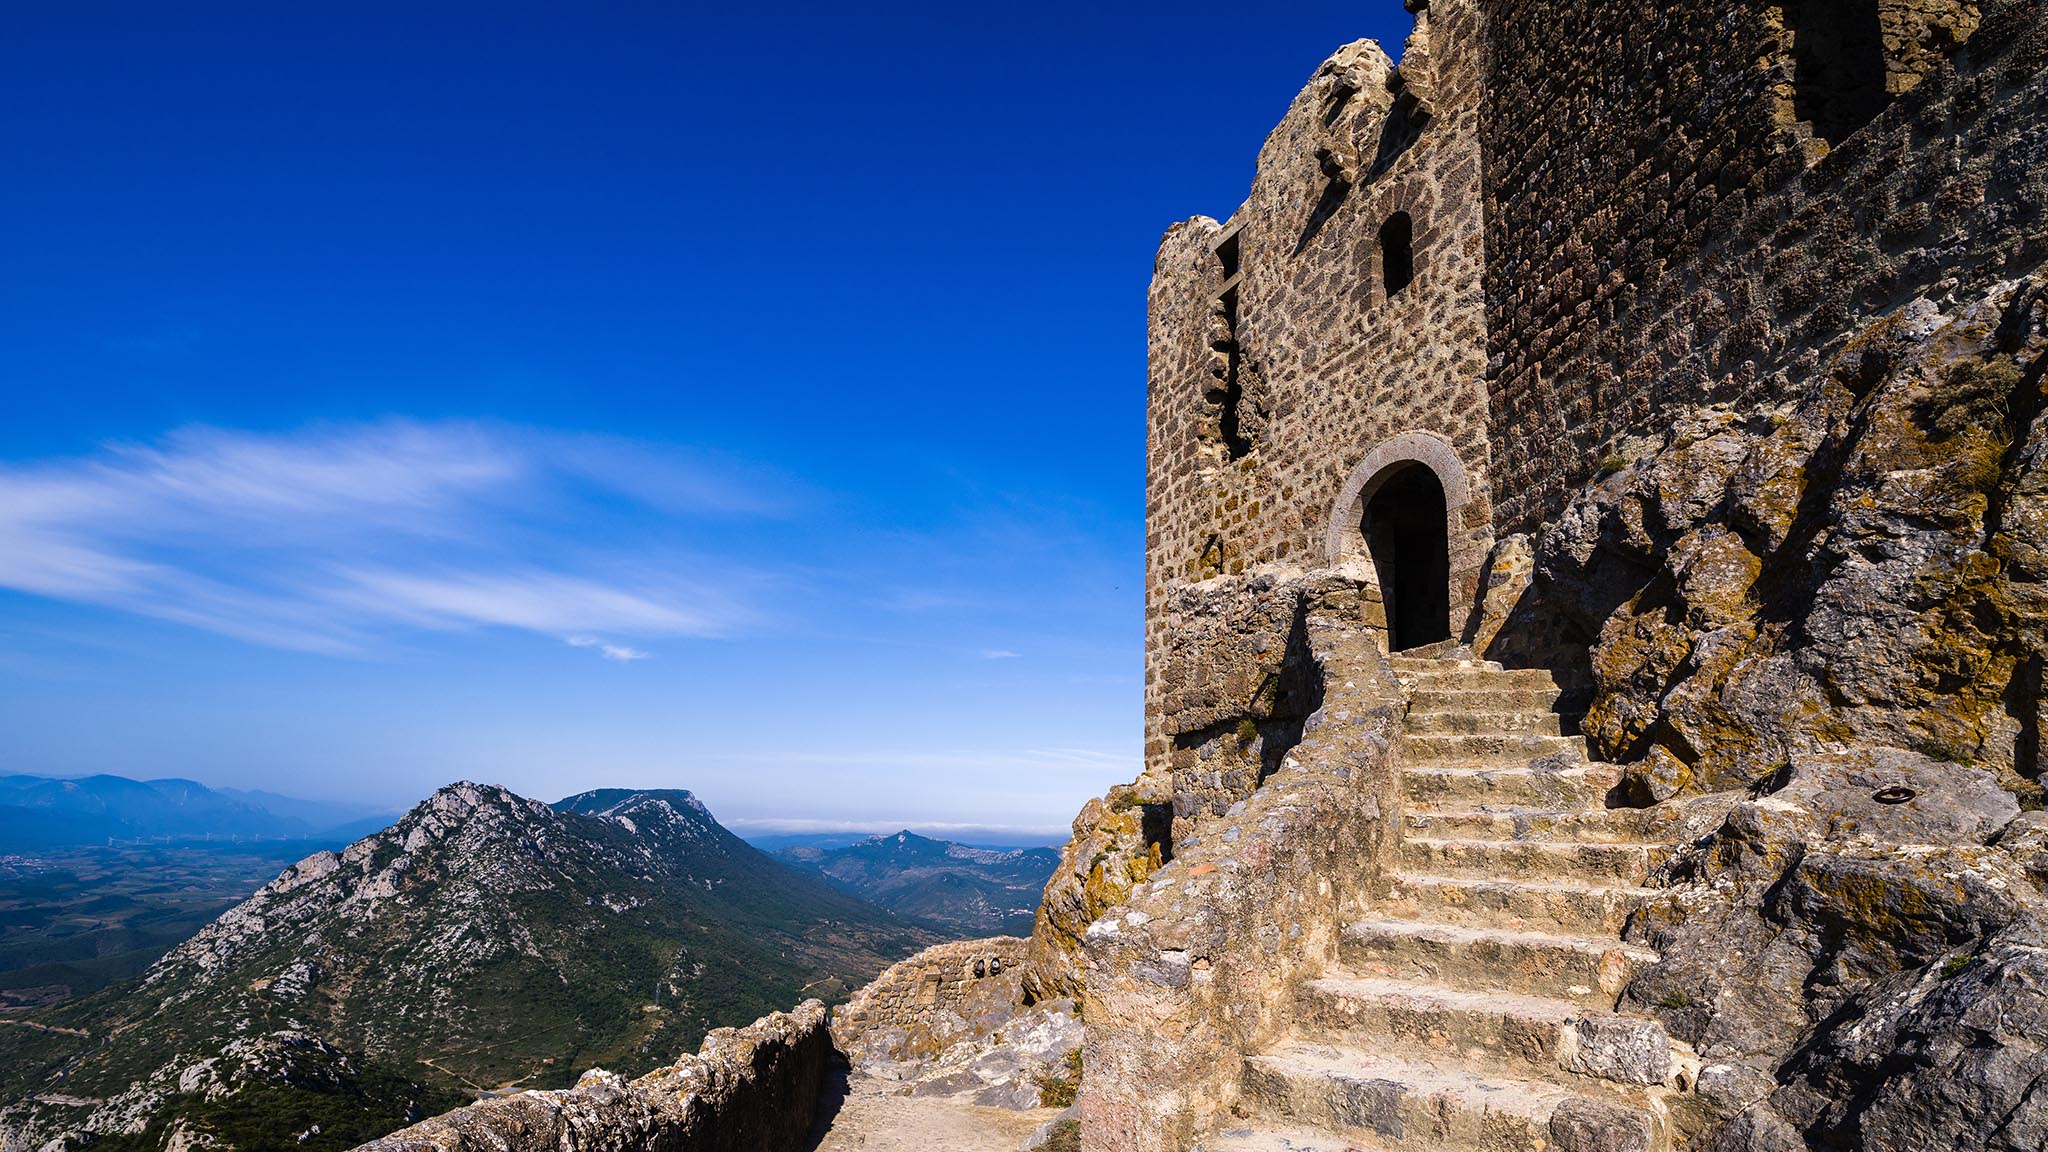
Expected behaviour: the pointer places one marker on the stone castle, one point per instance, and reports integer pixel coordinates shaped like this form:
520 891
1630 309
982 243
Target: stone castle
1597 559
1593 631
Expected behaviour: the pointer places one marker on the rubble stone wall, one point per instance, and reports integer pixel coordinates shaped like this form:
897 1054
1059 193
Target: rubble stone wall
1664 230
752 1089
1239 683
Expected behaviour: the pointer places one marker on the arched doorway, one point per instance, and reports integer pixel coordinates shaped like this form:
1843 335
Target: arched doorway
1404 525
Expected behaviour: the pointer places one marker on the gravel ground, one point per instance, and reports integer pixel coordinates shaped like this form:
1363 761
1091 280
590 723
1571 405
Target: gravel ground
869 1117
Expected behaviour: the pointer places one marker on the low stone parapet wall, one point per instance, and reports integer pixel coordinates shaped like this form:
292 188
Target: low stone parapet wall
919 1006
1194 970
752 1089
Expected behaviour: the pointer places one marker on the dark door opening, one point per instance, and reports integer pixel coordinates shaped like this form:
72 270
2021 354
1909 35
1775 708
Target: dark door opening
1410 546
1838 64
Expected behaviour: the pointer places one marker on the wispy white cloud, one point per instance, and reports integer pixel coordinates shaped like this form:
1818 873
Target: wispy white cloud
619 652
997 654
334 539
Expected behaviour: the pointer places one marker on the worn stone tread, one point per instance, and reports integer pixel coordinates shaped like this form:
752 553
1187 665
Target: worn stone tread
1522 746
1589 970
1426 1078
1565 908
1585 861
1380 987
1492 1033
1421 997
1434 698
1475 722
1402 1101
1527 822
1454 676
1585 784
1464 934
1439 664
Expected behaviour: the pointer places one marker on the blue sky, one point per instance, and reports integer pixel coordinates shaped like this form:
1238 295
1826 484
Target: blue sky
746 399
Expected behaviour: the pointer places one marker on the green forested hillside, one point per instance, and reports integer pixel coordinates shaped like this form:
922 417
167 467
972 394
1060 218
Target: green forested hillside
483 941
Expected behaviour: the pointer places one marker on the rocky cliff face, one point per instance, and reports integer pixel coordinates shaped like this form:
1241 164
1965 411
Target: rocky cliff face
483 941
1818 630
1118 841
1861 565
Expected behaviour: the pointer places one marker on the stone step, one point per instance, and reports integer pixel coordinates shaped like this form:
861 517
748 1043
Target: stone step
1395 1102
1588 971
1437 664
1538 721
1580 786
1590 826
1493 747
1237 1138
1435 696
1444 674
1587 863
1518 905
1487 1032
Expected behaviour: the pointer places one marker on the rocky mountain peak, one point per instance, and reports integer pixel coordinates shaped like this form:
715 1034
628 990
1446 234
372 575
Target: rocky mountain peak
482 940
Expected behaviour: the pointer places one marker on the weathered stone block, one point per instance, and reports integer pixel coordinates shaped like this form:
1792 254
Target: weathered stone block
1628 1049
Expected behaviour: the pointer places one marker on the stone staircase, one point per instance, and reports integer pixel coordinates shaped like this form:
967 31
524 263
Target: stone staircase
1475 1011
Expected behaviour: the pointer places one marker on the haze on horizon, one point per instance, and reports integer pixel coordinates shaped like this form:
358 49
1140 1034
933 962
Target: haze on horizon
747 401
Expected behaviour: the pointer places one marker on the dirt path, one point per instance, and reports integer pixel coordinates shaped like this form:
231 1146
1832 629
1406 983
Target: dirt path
871 1119
47 1028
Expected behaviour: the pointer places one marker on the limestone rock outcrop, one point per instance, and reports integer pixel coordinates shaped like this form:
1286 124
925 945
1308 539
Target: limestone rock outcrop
1816 630
952 1021
1863 565
752 1089
1118 841
1854 962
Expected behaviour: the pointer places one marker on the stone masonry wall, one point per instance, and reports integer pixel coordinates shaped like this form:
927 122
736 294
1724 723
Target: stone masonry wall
1190 973
1268 386
1239 683
1664 231
918 1006
752 1089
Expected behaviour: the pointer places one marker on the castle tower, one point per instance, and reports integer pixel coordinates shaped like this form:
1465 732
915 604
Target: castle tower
1318 360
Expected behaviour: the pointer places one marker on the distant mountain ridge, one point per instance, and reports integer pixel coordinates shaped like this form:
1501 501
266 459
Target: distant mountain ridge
968 891
481 941
772 839
48 812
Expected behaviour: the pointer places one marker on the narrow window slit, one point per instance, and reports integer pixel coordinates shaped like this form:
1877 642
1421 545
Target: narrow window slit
1397 253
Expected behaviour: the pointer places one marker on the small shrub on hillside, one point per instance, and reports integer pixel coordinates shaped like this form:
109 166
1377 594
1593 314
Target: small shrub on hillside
1975 394
1064 1137
1057 1089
